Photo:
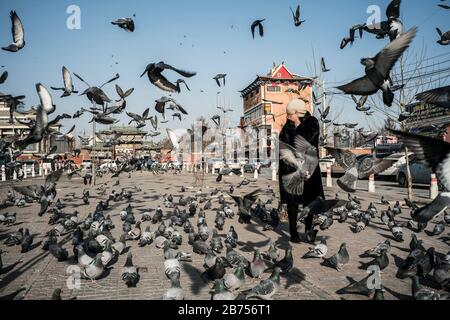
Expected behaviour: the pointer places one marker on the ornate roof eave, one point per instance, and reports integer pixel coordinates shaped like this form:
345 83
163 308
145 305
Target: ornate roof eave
261 79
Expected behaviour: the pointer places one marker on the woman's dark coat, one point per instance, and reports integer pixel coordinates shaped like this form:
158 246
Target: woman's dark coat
310 130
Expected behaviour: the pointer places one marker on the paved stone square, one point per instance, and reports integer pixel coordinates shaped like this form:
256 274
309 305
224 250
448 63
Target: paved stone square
41 273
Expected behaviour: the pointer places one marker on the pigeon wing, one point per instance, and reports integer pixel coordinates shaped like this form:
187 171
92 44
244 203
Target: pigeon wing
362 86
345 158
371 166
173 138
187 74
435 96
68 85
287 154
347 181
393 9
53 177
119 91
28 191
17 29
308 154
386 58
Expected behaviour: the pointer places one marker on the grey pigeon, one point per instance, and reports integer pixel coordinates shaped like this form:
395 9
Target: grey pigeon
338 260
258 24
378 69
130 273
305 161
266 288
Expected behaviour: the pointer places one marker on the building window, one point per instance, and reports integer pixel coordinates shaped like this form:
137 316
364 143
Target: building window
274 89
257 90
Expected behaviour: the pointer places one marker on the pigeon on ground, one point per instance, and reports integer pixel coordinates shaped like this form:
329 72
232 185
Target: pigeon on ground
338 260
93 270
357 287
381 261
319 251
266 288
257 266
220 293
420 292
244 204
233 281
175 292
130 272
377 250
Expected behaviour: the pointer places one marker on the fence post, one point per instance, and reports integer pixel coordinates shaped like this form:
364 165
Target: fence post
372 183
434 188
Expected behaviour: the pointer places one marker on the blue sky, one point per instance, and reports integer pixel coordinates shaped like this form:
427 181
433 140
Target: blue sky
193 35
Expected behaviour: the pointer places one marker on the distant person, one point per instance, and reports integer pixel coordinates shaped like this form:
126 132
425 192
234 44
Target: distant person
300 122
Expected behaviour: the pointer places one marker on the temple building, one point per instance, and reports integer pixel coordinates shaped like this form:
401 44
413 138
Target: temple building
64 144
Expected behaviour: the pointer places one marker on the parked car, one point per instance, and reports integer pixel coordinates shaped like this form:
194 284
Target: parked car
29 164
420 174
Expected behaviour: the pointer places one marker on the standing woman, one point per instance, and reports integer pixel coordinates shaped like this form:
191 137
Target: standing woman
301 122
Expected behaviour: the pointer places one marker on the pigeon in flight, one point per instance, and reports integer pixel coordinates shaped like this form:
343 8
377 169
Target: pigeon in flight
244 204
360 103
436 154
444 6
3 77
296 16
351 38
96 94
125 23
439 97
378 69
258 24
68 84
154 73
323 66
354 169
395 28
445 37
218 77
17 33
305 161
139 119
